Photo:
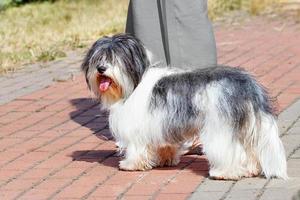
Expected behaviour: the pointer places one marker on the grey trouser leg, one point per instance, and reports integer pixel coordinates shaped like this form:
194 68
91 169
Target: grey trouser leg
177 32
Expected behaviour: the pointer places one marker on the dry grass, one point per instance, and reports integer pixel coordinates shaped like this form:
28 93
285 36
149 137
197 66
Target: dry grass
45 31
218 7
39 32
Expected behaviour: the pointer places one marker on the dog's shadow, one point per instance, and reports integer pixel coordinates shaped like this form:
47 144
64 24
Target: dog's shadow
195 163
88 114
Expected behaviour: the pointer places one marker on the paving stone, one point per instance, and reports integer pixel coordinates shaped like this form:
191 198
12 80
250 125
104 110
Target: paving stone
206 195
277 194
291 183
249 194
249 184
296 154
295 130
293 168
213 185
290 143
288 117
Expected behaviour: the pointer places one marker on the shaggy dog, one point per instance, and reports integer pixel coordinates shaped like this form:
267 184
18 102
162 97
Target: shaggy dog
156 112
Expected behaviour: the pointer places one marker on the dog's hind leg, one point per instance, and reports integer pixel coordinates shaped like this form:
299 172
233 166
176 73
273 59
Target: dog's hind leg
226 155
168 155
270 150
253 166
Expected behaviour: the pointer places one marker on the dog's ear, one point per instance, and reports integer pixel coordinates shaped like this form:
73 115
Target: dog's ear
85 66
87 57
133 55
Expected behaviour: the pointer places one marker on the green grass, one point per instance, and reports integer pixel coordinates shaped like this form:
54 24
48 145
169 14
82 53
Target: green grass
44 31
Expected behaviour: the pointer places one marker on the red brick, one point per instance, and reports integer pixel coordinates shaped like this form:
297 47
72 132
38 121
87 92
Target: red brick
52 184
199 166
136 197
79 133
30 145
7 156
108 191
39 127
19 164
36 194
19 184
19 102
172 196
58 144
143 189
7 194
69 125
73 192
11 128
34 107
7 142
68 173
101 171
36 174
24 134
12 116
6 174
150 183
124 178
176 185
54 162
286 99
92 180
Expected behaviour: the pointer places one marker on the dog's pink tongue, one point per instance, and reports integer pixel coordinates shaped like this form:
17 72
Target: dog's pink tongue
104 85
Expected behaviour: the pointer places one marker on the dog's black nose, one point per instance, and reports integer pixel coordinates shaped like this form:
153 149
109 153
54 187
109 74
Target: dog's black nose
101 69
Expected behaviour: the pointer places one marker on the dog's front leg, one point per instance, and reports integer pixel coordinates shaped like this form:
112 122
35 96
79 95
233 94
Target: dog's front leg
137 157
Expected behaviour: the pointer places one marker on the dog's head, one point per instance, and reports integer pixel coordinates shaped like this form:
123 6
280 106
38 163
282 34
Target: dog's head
114 66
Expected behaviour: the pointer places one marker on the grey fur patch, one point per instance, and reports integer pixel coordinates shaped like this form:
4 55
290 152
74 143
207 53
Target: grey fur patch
175 94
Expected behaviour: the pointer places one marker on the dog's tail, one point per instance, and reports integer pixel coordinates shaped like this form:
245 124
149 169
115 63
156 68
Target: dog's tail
270 149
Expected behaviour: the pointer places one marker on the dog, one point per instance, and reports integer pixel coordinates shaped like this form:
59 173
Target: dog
156 112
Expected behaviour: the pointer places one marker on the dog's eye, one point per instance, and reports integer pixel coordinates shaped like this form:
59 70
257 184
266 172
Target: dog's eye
101 69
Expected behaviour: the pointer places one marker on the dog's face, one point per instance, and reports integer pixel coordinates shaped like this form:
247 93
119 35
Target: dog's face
114 66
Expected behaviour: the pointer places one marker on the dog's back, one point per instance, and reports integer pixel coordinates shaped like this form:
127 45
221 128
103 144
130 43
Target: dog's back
233 91
233 114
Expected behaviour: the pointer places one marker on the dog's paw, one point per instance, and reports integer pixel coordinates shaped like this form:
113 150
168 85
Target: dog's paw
170 162
216 175
252 174
175 161
127 165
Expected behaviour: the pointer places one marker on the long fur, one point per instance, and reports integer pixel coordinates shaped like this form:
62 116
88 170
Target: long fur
162 109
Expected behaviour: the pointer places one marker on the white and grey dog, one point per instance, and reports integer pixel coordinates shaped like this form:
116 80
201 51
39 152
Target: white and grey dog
156 111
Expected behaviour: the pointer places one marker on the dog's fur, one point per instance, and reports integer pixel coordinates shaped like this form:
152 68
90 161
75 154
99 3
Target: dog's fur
157 111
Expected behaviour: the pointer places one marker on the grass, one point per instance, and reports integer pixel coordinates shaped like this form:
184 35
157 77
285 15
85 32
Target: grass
217 8
46 31
43 31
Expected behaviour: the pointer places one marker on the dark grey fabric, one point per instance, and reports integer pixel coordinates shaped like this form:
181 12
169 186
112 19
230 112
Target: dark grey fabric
177 32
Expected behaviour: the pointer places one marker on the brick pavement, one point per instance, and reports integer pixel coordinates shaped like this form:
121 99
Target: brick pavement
55 142
38 76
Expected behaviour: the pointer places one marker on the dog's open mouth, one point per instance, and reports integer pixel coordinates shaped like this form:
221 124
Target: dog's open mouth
104 83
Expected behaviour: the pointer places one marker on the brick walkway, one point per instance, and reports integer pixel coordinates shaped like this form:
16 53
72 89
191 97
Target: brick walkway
55 143
37 76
